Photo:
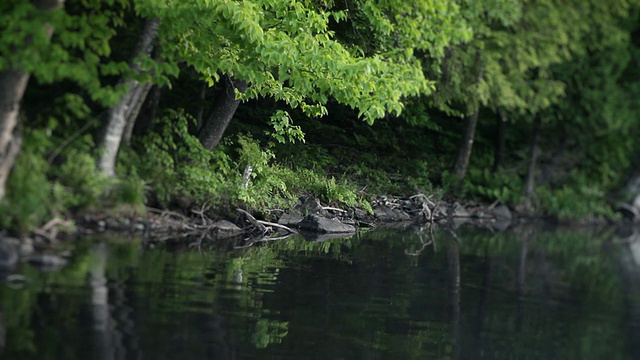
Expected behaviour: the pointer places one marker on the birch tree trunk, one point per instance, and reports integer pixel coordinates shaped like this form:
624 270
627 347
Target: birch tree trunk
530 184
13 83
124 110
134 110
223 109
466 145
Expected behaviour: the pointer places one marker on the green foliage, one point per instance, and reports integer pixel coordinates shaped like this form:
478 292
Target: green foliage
273 184
175 164
287 51
579 200
269 332
483 184
83 183
29 201
283 128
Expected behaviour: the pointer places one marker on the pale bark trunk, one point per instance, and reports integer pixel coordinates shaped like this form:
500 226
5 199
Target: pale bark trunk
139 98
13 83
530 184
466 145
12 86
222 113
121 112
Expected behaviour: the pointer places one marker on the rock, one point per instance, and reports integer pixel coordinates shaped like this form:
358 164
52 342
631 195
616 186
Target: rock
226 227
440 212
459 211
47 261
101 224
502 212
360 214
9 255
306 205
309 206
288 219
319 224
387 214
500 225
26 247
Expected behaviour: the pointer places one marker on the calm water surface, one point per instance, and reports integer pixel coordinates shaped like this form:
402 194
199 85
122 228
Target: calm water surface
528 293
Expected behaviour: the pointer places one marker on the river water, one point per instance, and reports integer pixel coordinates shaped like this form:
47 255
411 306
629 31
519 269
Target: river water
528 293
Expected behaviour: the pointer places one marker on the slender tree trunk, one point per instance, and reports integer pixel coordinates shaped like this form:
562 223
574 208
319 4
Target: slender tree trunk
142 91
530 184
12 86
222 113
466 145
13 83
121 112
500 143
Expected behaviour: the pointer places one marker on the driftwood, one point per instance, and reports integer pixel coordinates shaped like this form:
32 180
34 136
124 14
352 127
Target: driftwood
263 230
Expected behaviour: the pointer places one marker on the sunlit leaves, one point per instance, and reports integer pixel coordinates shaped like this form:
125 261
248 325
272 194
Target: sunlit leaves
287 51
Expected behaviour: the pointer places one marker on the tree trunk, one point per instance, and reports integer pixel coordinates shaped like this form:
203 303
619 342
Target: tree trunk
124 110
142 91
466 145
530 184
222 113
500 144
13 83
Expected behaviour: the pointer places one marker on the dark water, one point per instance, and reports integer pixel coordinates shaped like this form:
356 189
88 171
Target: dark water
524 294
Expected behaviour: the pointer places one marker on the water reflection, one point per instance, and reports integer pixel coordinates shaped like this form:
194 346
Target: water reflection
528 293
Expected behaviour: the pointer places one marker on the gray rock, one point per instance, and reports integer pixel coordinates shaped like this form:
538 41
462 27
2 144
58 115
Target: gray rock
226 228
309 206
26 247
9 255
502 212
501 225
319 224
47 261
288 219
440 211
224 225
458 211
360 214
387 214
305 206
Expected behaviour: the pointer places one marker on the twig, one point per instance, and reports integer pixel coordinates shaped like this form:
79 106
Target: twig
334 209
266 223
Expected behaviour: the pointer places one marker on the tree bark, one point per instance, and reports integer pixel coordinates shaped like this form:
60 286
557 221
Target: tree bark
223 109
466 145
124 110
13 83
530 184
134 108
500 144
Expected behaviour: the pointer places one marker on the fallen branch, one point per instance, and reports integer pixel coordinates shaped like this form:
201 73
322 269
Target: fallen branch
286 228
253 221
